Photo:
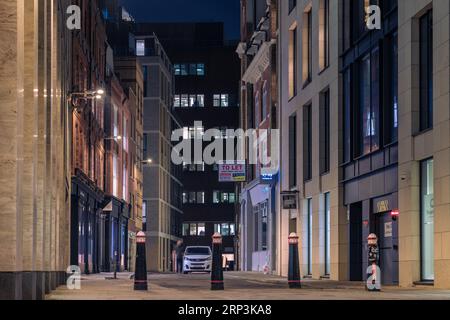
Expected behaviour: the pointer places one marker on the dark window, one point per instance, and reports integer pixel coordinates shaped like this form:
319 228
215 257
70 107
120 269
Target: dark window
358 8
324 34
292 151
307 143
310 40
367 126
388 5
144 147
307 50
293 63
264 102
145 81
347 117
292 5
426 71
327 226
325 132
354 26
391 89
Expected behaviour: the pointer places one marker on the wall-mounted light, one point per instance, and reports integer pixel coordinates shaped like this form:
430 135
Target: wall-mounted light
87 95
114 138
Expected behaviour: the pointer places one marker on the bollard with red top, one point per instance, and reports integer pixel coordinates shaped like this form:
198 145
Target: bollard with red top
216 270
294 268
140 276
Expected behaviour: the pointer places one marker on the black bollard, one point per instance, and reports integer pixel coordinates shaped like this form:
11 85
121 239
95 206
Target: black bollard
140 275
216 270
294 269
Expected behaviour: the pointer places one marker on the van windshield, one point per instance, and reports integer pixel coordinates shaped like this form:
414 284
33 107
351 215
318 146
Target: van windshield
198 251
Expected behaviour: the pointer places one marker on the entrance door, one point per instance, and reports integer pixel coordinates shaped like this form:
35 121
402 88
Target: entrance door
356 248
387 232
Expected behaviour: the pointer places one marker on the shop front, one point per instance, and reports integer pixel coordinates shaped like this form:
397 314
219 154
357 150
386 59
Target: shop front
257 234
116 235
86 212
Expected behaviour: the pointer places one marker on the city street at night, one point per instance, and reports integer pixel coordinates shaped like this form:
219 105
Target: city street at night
194 151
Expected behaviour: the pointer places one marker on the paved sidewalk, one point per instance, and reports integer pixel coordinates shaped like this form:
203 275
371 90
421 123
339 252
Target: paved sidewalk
238 286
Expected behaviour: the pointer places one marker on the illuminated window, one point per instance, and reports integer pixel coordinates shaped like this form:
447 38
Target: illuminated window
177 101
189 69
201 197
309 231
184 101
427 219
184 69
177 69
193 229
186 229
223 197
200 69
221 100
225 229
201 229
140 48
324 34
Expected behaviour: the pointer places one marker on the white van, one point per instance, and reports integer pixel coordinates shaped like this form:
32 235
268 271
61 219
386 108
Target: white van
197 259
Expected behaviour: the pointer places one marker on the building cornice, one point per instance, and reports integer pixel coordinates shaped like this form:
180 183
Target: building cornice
259 64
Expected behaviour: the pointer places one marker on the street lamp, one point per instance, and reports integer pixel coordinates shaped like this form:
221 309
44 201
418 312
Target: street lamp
148 161
87 95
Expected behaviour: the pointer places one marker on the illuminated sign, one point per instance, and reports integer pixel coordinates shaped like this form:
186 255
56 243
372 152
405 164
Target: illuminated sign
382 206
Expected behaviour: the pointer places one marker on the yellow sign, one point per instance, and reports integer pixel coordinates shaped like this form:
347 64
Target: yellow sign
383 206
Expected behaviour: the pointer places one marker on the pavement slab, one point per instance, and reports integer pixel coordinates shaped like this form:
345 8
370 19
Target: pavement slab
238 286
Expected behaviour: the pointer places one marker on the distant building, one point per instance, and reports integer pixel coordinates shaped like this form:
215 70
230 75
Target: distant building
206 73
118 168
259 97
162 212
127 70
130 73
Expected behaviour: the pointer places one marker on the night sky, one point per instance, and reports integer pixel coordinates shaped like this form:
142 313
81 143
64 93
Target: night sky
227 11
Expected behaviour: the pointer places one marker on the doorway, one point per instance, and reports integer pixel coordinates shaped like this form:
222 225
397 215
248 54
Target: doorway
356 245
386 228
